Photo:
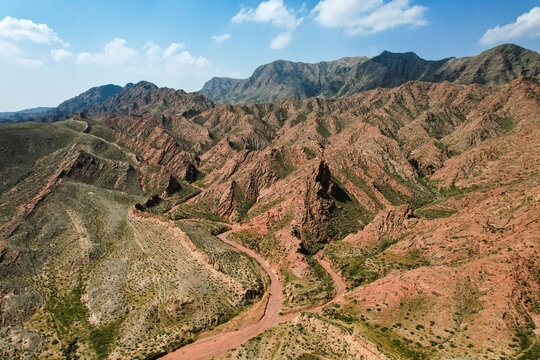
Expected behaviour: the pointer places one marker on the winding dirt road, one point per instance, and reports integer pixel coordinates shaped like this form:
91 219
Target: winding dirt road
212 346
219 344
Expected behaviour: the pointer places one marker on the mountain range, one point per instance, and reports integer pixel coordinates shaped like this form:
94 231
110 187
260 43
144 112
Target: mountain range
285 79
398 222
281 80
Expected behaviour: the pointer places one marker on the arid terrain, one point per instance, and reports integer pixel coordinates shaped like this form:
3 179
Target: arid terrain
397 220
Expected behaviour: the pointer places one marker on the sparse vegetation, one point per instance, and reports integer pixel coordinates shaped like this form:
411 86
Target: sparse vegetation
431 213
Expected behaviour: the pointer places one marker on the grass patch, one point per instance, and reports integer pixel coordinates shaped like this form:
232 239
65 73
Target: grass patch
507 123
212 228
243 207
323 276
266 244
395 197
361 266
261 209
361 184
310 154
306 356
285 166
201 210
431 213
69 309
102 337
300 118
322 129
454 192
391 344
351 262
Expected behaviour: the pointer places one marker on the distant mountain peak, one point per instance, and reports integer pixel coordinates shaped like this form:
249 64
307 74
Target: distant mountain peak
146 85
283 79
92 97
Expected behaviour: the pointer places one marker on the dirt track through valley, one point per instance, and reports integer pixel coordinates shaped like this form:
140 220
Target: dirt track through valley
218 344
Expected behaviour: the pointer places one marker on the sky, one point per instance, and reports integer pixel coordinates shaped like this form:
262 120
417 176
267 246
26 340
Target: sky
52 50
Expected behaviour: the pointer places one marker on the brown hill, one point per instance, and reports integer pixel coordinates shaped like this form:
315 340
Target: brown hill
424 196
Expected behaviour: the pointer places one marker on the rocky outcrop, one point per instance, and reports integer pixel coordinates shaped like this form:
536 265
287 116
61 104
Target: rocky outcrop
317 207
156 146
173 186
108 174
386 225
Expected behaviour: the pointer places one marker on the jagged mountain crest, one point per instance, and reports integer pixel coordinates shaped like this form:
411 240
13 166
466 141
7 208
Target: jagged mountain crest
285 79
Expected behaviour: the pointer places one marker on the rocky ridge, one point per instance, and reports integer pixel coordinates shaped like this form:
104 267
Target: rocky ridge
285 79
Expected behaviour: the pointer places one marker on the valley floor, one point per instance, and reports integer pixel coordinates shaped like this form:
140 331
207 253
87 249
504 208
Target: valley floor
215 345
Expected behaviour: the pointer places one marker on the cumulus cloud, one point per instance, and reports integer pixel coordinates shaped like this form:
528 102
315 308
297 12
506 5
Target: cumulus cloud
153 52
171 57
9 50
173 66
114 53
271 11
173 49
368 16
526 25
24 29
60 54
185 58
220 38
12 55
275 13
283 39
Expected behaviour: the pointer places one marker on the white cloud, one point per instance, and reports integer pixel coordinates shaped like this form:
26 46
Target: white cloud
8 50
172 66
170 58
283 39
368 16
220 38
277 14
12 55
185 58
114 53
173 49
271 11
526 25
60 54
153 52
24 29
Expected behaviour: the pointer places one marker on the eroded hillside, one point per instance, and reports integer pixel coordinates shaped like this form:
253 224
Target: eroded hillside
424 198
84 274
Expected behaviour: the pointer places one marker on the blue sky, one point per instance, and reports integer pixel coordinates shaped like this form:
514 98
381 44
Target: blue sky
51 50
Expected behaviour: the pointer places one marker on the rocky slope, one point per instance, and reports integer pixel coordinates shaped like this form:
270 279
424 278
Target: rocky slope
424 196
84 274
451 274
88 99
285 79
332 166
